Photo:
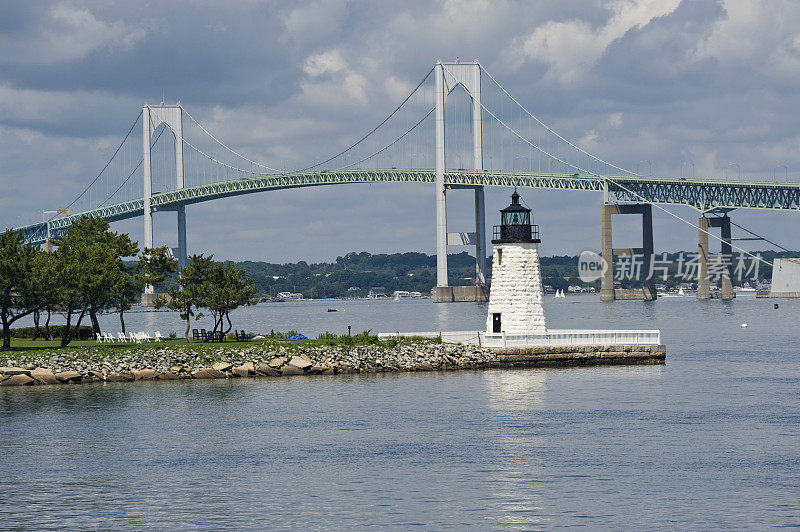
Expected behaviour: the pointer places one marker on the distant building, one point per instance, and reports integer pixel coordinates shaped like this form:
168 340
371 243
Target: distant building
376 292
353 289
416 294
290 295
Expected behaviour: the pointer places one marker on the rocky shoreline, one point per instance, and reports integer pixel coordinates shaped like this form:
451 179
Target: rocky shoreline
166 363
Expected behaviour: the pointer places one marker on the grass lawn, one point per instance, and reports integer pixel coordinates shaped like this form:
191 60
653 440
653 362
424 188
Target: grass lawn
91 348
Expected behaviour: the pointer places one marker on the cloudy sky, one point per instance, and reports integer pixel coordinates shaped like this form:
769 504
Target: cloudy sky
647 84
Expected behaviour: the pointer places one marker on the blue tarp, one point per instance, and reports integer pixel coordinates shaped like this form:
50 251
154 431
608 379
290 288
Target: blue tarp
297 337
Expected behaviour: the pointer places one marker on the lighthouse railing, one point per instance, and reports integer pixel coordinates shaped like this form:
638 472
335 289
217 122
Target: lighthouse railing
574 337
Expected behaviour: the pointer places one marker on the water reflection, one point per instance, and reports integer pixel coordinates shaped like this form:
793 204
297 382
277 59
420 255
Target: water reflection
516 390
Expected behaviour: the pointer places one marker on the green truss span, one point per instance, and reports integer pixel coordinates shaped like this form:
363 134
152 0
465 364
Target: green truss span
702 194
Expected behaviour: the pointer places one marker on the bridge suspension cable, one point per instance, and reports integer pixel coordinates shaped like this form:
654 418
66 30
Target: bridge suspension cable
153 143
401 137
105 167
548 128
226 146
373 130
211 158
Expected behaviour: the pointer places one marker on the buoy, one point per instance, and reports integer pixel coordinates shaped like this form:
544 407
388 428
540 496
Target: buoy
743 325
776 305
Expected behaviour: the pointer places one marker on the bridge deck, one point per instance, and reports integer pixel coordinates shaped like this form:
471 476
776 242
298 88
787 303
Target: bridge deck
701 194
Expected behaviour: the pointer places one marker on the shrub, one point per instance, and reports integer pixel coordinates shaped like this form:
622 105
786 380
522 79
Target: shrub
84 333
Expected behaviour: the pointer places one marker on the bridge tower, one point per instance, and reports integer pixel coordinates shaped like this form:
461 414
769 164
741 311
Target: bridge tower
152 117
446 77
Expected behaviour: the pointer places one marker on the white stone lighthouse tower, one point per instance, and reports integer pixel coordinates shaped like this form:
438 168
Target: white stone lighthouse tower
515 299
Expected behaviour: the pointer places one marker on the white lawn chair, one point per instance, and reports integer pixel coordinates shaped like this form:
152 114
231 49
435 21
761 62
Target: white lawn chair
99 338
121 337
108 337
133 338
158 336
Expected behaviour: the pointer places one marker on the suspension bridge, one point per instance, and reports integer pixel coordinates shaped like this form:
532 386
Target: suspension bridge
459 128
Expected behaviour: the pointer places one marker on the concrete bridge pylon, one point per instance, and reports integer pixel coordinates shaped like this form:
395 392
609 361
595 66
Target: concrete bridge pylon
721 261
172 117
447 76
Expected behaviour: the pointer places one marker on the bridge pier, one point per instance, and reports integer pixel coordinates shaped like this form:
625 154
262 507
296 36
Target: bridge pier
722 261
648 290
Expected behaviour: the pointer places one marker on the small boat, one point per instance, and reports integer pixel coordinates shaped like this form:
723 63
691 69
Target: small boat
332 310
681 292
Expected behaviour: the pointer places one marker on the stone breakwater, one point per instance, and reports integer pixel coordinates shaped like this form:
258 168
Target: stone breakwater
263 361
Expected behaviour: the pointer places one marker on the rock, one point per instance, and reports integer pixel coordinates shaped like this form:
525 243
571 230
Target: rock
145 374
96 375
328 371
208 373
316 370
245 370
117 377
291 370
265 369
167 376
13 370
176 369
44 376
19 379
277 362
222 366
68 376
300 362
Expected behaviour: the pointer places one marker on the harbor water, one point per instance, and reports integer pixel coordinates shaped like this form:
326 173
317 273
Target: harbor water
711 439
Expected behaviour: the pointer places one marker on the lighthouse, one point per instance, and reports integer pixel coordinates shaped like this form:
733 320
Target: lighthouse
515 298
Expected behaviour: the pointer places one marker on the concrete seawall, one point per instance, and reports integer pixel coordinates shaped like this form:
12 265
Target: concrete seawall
583 355
173 364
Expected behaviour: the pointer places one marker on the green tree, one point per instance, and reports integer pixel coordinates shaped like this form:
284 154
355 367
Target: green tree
90 270
47 292
227 289
151 269
18 291
189 297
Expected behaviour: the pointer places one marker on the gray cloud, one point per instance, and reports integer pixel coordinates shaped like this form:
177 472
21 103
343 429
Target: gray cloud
714 82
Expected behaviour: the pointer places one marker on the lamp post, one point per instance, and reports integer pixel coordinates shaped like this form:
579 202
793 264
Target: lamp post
785 174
